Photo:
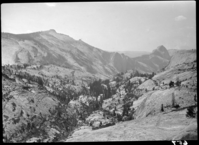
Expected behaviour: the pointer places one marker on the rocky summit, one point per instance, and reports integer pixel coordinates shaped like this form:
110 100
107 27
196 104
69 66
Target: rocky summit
58 89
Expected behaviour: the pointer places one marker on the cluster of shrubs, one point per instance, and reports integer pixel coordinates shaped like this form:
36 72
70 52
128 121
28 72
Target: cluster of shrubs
178 83
191 111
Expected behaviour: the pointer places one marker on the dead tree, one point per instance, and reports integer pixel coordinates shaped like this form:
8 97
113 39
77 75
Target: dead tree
173 100
162 108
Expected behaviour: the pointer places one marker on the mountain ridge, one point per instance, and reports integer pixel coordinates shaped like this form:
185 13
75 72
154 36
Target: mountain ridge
50 47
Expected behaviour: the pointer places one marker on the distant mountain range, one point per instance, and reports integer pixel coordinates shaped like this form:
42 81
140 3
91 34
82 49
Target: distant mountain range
50 47
133 54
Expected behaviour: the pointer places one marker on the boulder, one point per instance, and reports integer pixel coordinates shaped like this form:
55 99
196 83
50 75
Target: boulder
34 139
52 133
137 79
96 124
148 85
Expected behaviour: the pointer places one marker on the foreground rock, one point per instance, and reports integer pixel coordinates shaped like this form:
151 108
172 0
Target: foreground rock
189 133
159 127
99 120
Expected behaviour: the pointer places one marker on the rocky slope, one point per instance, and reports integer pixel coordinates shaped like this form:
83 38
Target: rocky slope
150 121
50 47
160 127
183 56
23 108
35 105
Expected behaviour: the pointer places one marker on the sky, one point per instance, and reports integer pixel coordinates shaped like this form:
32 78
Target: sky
110 26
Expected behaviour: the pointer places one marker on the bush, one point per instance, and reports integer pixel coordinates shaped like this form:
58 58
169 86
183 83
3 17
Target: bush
190 112
178 83
171 84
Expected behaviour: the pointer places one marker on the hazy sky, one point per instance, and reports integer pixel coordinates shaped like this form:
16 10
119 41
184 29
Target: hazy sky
111 26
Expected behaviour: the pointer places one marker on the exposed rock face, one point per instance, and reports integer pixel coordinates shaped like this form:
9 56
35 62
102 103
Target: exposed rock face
162 52
159 127
172 51
189 133
150 103
122 62
155 61
183 56
148 85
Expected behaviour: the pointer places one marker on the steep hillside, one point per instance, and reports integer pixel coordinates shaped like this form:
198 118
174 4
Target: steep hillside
155 61
30 111
50 47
